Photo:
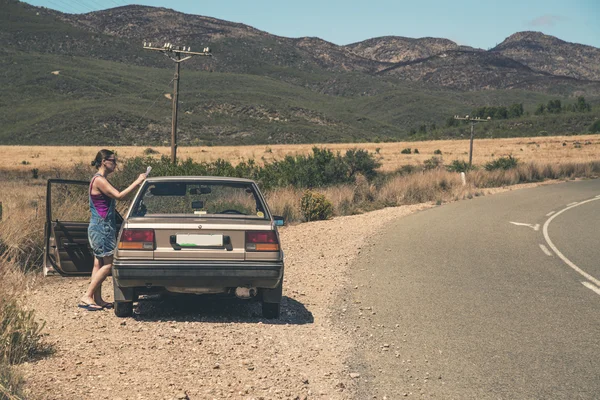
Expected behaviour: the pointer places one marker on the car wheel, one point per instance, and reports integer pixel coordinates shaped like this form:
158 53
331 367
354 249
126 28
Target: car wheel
271 310
123 309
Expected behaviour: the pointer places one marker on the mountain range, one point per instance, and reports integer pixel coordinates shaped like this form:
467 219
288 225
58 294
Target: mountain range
292 81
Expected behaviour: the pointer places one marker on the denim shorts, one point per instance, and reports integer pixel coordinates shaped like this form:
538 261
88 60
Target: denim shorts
102 236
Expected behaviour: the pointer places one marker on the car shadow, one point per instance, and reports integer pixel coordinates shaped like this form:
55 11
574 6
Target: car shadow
218 309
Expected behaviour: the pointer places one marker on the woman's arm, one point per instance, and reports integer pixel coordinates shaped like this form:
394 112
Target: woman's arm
105 187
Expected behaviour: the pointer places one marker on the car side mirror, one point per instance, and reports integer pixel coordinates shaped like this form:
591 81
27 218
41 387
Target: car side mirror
279 221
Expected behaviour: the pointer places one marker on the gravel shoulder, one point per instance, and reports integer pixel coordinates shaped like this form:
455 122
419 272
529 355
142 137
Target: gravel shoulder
211 348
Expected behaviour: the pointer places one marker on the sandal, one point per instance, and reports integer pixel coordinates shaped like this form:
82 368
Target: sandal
89 307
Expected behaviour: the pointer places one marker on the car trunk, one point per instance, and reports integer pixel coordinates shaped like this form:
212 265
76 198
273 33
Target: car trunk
201 239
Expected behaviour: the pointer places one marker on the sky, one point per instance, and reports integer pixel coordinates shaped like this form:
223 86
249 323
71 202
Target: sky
477 23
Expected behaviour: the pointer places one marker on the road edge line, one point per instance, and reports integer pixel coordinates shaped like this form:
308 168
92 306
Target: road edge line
561 255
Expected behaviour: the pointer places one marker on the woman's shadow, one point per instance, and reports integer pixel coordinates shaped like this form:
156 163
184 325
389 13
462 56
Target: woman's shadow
218 309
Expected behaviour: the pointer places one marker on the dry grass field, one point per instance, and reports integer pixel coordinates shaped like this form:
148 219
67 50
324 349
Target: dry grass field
555 149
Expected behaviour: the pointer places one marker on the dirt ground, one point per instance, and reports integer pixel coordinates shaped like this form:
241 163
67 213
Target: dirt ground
204 348
213 348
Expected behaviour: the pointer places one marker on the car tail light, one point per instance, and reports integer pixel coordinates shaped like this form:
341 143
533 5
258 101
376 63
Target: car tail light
137 239
262 241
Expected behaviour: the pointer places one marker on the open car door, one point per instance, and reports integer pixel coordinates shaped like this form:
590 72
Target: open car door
67 250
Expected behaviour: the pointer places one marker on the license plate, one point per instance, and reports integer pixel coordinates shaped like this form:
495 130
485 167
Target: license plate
191 240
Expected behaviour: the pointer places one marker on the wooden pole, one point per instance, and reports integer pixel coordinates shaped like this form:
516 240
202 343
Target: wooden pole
168 49
174 116
471 145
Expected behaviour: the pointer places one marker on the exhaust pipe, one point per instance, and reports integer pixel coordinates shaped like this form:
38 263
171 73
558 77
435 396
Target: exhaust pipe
245 292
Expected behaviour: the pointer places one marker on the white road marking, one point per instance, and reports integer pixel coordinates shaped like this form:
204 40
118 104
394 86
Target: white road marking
598 197
558 253
545 250
591 286
550 213
535 227
571 204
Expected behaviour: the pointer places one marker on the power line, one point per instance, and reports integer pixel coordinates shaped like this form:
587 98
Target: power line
175 53
473 120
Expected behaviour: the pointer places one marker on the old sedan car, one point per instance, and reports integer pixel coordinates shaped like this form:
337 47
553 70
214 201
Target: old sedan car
194 235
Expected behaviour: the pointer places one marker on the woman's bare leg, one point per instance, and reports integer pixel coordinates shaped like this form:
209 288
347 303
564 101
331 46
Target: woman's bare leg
91 299
97 278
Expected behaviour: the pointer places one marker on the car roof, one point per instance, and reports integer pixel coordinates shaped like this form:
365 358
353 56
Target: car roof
199 178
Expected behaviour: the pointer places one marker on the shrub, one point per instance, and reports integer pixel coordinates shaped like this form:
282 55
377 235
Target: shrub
20 333
406 151
433 163
149 151
406 169
321 168
35 173
595 128
438 152
416 151
458 166
315 206
504 163
25 162
360 162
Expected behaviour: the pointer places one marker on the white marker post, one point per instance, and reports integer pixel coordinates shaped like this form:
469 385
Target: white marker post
463 178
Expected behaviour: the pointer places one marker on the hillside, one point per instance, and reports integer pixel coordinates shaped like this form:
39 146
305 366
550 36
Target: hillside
397 49
477 70
551 55
86 78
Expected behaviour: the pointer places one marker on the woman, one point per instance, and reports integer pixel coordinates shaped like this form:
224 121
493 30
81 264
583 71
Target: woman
102 230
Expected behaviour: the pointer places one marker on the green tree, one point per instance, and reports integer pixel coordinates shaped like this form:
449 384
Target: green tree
581 105
554 107
540 110
500 113
515 110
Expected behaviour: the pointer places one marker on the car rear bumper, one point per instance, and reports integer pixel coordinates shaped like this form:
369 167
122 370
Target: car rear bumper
197 274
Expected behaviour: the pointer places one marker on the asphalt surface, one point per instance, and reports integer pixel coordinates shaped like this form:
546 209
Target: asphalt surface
456 302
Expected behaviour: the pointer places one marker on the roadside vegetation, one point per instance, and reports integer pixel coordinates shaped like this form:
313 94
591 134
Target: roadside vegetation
20 332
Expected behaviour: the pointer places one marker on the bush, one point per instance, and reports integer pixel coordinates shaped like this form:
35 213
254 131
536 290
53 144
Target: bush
438 151
315 206
504 163
321 168
458 166
149 151
406 151
20 333
595 128
35 173
416 151
406 169
433 163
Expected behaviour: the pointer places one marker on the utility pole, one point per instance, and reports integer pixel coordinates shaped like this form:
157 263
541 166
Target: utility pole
175 53
473 120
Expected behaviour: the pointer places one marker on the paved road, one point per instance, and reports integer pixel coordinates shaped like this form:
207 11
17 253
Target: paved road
457 302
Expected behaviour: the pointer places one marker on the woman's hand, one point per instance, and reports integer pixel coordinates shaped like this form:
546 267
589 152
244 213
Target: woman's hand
141 179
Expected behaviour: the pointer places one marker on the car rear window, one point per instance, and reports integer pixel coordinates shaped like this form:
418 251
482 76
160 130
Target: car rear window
199 198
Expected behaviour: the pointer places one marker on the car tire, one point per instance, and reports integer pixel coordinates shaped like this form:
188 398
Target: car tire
271 310
123 309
